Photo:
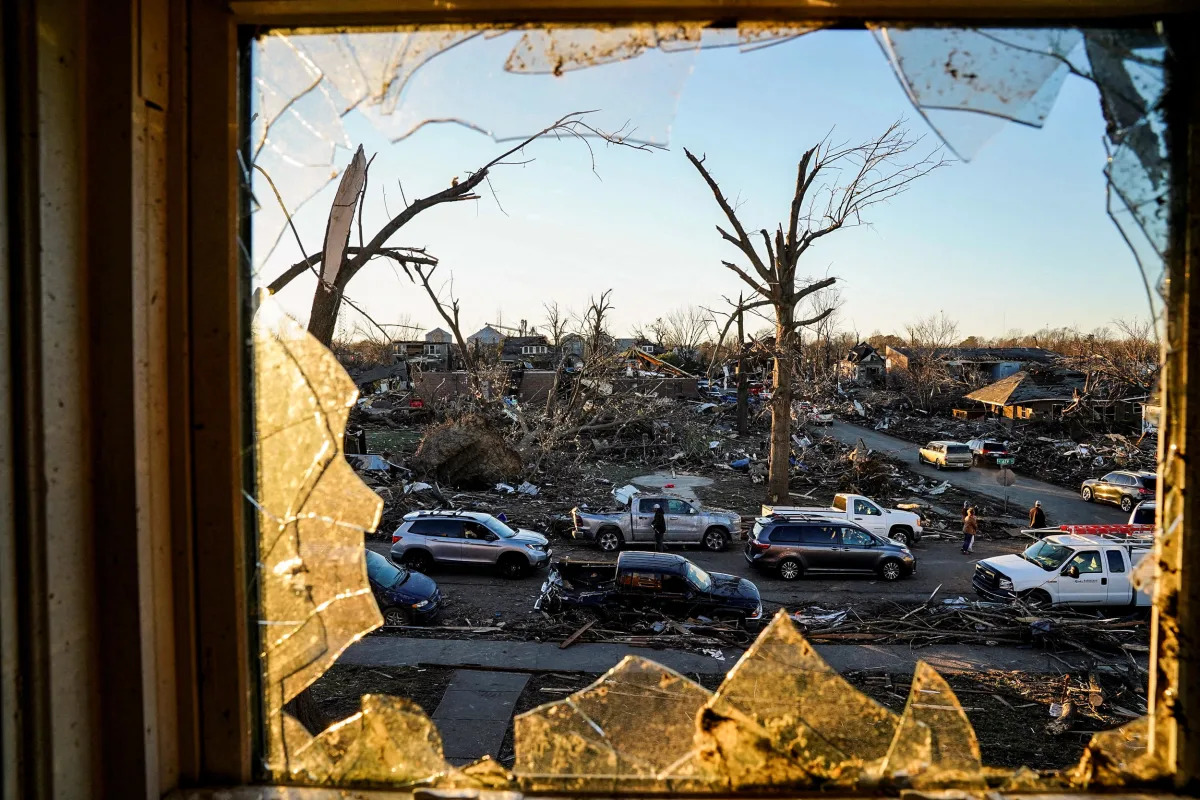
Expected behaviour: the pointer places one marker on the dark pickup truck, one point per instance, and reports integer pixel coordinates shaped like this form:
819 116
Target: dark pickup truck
661 581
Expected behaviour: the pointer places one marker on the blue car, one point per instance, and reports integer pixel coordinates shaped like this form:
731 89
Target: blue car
404 597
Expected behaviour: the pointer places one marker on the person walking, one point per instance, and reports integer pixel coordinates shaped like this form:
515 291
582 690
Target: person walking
970 528
659 524
1037 517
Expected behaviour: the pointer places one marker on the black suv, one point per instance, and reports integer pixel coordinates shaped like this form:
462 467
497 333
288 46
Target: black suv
799 545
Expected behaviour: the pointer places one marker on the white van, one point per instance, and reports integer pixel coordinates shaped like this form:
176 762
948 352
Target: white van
1069 569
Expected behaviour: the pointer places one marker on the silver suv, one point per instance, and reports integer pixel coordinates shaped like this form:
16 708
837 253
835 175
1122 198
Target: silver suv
426 538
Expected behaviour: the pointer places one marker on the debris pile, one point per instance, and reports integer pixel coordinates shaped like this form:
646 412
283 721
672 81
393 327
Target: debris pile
961 621
468 453
1045 451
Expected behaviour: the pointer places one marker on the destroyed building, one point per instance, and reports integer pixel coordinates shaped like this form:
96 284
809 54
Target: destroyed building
970 364
863 364
1048 394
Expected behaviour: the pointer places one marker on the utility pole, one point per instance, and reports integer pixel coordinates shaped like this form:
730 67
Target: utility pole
743 391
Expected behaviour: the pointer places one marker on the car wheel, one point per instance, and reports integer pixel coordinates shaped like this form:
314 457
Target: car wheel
1036 599
1086 494
513 566
714 540
396 616
890 570
937 465
900 536
609 540
974 461
790 569
418 561
1126 504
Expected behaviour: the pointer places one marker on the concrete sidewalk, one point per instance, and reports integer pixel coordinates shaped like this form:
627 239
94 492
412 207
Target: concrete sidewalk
385 651
475 713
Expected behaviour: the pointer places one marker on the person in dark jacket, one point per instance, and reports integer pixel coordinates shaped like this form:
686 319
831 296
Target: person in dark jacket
1037 517
659 524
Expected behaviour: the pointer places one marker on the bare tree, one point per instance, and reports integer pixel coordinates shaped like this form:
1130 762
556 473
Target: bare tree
448 310
557 323
595 324
935 332
332 280
835 184
685 329
925 373
826 307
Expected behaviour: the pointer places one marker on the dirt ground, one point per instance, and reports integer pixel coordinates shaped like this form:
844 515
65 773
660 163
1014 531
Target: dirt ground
1009 711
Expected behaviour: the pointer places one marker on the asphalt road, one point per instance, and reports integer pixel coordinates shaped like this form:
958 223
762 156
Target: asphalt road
479 594
1062 506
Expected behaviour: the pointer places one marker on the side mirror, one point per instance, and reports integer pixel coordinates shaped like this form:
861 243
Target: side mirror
1071 571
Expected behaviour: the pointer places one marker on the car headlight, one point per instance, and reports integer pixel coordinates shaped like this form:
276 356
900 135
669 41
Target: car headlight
1005 583
422 604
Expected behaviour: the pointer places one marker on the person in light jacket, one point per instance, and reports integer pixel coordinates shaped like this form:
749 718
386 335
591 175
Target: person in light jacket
659 524
970 528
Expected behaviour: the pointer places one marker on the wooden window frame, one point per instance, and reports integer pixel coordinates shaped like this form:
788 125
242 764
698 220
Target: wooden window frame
133 673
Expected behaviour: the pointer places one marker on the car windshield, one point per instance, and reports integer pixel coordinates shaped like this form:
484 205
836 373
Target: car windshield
499 528
383 572
1147 481
993 446
698 577
1046 555
957 449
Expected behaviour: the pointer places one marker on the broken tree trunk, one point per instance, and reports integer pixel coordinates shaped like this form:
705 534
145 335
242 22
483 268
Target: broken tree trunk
327 297
743 390
781 414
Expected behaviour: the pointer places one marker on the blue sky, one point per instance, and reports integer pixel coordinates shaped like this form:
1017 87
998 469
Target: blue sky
1015 238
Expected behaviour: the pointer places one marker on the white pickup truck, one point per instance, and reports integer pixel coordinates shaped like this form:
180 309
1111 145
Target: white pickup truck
1071 569
901 526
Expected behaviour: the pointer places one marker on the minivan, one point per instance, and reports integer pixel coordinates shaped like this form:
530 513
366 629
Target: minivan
795 546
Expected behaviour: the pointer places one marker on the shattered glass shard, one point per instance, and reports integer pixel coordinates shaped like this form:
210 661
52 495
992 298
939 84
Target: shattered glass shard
390 740
312 512
636 722
935 744
1120 756
783 717
1012 74
553 52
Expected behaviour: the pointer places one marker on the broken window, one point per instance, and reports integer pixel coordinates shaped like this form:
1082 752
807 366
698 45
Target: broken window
641 726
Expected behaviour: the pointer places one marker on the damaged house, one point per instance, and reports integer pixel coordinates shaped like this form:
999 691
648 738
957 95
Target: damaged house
969 364
1047 394
863 364
534 352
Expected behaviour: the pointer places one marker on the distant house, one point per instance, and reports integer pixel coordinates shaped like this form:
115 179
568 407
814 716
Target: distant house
863 364
971 363
1044 394
425 354
439 336
487 336
572 344
532 350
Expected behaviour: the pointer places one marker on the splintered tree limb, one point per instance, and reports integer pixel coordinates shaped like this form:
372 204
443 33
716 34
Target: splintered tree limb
402 255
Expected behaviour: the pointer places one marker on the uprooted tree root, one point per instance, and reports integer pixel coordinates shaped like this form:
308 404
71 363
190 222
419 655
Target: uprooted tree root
467 453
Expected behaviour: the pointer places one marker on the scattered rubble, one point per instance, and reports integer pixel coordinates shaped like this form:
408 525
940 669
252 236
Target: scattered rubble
1045 452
